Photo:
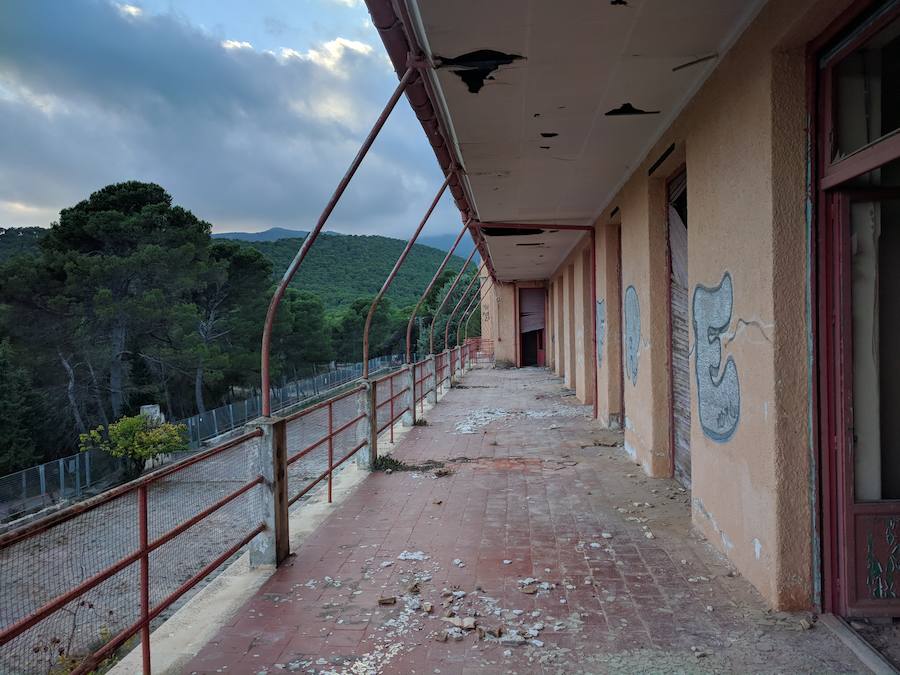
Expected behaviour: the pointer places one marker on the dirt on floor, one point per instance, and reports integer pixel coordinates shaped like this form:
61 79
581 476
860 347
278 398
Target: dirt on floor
541 549
883 635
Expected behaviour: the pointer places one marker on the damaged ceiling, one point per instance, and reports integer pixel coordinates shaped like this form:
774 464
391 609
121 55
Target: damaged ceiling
551 104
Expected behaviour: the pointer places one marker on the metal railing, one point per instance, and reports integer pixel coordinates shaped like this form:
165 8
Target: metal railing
85 474
82 582
95 577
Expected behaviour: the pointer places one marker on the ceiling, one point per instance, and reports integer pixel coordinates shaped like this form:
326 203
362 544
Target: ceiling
532 256
532 132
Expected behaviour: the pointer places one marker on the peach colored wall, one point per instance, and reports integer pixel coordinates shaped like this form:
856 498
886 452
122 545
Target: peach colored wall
743 140
609 367
571 337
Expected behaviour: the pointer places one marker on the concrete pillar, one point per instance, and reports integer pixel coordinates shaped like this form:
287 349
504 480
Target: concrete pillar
432 364
409 399
366 457
272 545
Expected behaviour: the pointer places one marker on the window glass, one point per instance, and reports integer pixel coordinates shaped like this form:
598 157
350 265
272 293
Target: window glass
867 92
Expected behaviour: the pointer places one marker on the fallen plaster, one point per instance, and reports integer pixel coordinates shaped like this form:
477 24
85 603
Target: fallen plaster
181 637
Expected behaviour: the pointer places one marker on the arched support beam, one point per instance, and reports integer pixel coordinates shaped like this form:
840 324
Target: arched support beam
313 235
390 278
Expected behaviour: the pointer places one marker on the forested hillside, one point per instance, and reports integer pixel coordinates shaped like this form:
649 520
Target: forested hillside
128 300
16 240
341 268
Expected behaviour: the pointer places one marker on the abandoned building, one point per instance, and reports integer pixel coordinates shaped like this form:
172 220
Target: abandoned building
674 446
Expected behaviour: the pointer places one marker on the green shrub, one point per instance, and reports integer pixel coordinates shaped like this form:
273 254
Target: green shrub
136 439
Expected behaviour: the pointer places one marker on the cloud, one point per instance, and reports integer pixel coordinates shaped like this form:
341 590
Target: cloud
132 11
235 44
244 138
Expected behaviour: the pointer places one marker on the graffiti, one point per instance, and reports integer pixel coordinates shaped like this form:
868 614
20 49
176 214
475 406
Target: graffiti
601 330
718 389
632 333
880 578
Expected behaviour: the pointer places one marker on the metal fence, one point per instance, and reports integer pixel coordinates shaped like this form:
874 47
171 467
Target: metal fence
85 474
96 576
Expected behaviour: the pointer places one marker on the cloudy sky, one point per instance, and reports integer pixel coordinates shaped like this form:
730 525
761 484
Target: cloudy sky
246 112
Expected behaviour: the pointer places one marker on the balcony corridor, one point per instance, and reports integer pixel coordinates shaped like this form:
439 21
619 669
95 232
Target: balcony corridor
545 537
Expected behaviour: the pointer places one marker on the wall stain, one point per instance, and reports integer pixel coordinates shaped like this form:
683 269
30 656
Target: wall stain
632 333
718 389
601 330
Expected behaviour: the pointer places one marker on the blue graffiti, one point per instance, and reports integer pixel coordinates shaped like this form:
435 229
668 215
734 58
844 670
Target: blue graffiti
718 390
601 330
632 333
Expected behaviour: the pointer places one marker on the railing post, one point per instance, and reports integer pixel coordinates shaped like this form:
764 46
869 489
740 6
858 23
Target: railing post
409 417
432 395
368 459
272 545
330 447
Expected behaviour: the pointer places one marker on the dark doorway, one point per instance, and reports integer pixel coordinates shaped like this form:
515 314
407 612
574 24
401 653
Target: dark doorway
530 347
532 304
677 220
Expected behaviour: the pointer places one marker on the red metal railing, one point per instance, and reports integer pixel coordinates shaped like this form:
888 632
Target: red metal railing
318 433
423 382
82 582
391 400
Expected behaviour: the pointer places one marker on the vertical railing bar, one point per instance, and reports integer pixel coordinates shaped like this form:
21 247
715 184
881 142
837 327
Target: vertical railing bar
145 579
330 448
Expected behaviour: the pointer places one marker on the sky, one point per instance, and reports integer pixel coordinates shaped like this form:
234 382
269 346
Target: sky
246 112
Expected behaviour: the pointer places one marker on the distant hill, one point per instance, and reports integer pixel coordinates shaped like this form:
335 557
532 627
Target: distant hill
339 269
272 234
16 240
442 242
343 267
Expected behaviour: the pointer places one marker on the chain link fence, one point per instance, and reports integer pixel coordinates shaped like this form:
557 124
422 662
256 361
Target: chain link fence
85 474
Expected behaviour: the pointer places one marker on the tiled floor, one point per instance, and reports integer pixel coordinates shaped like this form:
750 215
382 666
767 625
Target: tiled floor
544 536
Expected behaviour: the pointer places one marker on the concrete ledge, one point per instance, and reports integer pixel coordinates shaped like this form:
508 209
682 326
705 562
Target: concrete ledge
182 636
870 657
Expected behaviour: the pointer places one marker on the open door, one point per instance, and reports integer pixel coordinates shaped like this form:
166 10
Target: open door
532 323
864 295
858 313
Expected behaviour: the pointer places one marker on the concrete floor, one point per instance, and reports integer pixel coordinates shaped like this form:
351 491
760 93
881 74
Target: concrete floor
544 550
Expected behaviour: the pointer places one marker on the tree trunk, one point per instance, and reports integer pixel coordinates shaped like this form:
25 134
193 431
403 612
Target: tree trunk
117 368
198 390
98 400
70 394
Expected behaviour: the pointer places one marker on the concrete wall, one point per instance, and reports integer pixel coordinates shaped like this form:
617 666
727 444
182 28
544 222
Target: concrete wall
743 141
609 327
571 337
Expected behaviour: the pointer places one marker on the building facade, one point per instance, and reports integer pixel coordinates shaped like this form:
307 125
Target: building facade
693 225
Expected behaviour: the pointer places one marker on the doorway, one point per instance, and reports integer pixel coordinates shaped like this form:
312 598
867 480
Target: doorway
532 323
680 380
858 293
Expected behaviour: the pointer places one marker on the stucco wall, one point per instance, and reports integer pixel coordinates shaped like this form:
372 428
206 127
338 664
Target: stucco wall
609 327
743 141
571 335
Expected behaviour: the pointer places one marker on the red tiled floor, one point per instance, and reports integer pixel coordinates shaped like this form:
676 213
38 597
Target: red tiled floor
533 488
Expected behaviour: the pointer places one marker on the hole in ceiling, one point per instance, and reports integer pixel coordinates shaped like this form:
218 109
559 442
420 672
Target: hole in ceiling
544 147
549 134
473 68
626 110
509 231
619 3
535 243
536 115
